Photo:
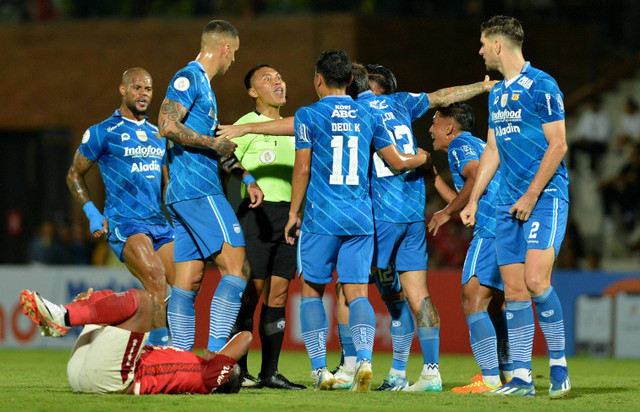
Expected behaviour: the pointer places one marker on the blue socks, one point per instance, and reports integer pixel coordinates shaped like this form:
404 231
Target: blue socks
502 336
483 340
181 317
158 337
362 322
521 326
429 338
402 329
224 310
314 325
346 341
551 322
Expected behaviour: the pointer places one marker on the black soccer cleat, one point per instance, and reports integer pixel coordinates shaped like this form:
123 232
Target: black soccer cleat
277 381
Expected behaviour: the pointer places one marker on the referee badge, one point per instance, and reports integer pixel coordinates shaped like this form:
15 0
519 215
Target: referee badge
267 156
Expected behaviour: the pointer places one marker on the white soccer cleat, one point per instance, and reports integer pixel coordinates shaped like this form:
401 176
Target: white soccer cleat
344 378
48 316
362 378
427 383
324 379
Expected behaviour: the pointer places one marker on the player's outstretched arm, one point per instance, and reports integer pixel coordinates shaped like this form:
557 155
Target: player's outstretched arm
280 127
80 165
487 168
233 166
449 95
401 161
458 201
299 183
171 126
555 134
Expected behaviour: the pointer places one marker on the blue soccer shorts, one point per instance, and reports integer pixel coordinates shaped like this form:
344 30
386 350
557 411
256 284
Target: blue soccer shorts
544 229
387 280
482 262
118 235
319 255
202 225
403 244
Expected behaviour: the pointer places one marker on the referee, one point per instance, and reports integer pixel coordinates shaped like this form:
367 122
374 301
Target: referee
269 159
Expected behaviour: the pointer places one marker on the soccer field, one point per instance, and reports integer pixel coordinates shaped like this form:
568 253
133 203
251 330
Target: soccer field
36 380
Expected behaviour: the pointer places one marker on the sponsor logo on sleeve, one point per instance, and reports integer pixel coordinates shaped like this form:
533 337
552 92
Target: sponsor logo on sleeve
303 133
560 102
525 82
86 136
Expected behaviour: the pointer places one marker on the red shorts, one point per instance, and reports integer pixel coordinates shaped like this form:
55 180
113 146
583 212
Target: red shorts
165 369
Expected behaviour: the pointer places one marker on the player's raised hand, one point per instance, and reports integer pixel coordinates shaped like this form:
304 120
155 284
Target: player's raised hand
223 146
427 156
231 131
292 229
439 218
256 196
522 209
468 214
488 83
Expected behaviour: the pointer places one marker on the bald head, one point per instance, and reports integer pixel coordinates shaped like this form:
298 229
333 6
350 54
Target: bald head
129 74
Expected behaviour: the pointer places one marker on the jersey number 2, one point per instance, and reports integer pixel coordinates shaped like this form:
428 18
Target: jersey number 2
400 131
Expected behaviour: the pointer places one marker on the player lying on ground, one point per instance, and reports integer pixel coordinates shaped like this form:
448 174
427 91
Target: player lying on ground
110 356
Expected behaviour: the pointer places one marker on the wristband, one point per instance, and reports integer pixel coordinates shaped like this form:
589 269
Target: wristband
95 217
248 179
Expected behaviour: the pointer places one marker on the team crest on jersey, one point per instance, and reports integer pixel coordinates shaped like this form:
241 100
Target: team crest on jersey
86 136
303 133
515 97
503 99
125 136
142 136
181 84
267 156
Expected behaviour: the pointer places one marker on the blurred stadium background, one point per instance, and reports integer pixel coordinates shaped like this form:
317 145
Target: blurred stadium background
62 64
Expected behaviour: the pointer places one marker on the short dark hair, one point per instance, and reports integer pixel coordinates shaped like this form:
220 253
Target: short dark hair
360 81
249 75
506 26
220 27
383 77
461 113
233 383
335 67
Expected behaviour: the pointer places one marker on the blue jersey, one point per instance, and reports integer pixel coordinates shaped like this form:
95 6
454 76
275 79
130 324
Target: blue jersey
340 132
516 114
130 156
398 197
193 171
464 148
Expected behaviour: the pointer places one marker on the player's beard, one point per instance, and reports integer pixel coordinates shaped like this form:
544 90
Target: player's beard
135 110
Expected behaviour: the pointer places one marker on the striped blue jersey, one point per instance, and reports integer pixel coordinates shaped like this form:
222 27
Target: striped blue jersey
130 156
340 132
464 148
398 197
516 114
193 171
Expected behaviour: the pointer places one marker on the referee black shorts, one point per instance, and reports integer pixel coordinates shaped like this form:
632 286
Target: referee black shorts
267 251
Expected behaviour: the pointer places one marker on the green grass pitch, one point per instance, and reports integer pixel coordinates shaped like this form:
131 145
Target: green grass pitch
35 380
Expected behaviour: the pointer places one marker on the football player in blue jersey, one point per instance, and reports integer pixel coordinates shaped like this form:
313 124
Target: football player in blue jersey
131 156
399 213
526 141
482 295
334 138
205 224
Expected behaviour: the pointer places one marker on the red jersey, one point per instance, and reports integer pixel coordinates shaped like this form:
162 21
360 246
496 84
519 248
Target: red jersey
165 369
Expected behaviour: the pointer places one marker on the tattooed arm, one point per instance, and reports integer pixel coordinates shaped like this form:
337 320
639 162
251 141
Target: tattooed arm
449 95
232 166
171 127
78 188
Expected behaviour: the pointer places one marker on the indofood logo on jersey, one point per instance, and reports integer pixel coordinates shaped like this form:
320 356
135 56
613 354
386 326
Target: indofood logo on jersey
144 151
507 116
